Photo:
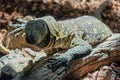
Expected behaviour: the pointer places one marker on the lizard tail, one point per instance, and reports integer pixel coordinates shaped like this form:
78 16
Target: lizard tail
98 12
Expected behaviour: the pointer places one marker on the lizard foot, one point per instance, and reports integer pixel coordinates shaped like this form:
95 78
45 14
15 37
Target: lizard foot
98 52
111 44
22 21
58 60
19 28
17 31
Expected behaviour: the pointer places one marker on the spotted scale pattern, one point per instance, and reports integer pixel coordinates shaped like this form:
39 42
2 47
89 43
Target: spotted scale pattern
87 28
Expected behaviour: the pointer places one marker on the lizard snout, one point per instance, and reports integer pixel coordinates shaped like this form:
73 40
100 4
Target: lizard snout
31 39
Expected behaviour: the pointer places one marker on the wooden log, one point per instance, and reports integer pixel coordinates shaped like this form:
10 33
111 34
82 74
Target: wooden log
104 54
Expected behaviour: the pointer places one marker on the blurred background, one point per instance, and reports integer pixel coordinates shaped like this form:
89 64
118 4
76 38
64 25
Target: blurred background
60 9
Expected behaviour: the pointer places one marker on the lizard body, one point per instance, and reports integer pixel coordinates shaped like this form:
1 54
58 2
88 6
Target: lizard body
87 28
76 36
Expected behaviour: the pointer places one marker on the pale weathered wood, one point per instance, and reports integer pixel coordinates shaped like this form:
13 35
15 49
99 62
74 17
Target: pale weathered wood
105 53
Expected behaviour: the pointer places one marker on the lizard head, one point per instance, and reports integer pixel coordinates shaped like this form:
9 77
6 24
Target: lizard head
36 31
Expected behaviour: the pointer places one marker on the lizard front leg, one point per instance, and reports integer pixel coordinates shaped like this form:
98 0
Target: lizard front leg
78 49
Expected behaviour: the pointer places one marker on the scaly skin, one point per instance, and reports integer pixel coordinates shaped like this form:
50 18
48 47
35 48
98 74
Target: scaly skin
75 36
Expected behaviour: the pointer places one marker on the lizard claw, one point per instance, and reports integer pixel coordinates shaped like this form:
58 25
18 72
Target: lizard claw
15 36
95 53
19 27
98 52
103 57
61 70
22 20
16 31
57 61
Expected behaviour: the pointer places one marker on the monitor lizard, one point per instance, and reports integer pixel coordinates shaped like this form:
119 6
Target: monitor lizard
75 38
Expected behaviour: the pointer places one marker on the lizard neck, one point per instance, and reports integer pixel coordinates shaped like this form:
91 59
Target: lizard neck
45 41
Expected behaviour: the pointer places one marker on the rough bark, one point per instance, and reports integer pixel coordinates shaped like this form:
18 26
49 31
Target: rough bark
104 54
